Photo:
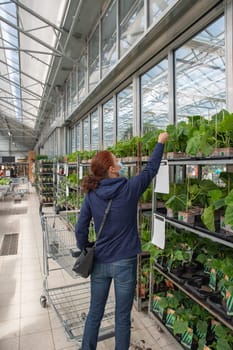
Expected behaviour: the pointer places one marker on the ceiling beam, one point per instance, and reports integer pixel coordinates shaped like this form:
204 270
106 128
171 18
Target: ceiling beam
23 73
20 109
31 51
58 67
42 43
33 13
11 82
17 49
13 97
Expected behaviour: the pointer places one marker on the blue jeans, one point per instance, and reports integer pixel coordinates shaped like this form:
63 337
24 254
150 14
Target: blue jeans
124 273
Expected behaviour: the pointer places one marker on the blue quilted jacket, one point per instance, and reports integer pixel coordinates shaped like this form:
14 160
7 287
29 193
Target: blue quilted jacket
119 238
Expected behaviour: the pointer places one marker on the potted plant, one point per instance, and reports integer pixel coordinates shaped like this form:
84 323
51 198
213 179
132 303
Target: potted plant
178 137
201 137
176 200
194 197
228 216
225 284
148 142
223 122
223 338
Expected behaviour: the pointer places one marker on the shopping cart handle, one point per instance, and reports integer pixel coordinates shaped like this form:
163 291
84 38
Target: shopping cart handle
75 252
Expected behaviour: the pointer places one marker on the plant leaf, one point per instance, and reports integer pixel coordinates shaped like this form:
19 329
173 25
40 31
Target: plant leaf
207 218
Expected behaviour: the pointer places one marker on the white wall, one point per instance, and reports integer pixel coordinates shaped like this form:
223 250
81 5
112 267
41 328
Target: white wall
7 148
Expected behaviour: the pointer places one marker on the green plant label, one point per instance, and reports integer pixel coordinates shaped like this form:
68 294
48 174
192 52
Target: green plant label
157 307
200 334
223 291
229 303
170 319
223 287
214 324
220 274
213 279
187 338
207 269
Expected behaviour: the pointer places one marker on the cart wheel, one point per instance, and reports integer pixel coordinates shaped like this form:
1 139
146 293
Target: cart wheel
83 316
43 301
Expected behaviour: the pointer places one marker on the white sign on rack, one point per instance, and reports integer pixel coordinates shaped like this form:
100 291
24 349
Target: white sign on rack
80 172
162 178
158 238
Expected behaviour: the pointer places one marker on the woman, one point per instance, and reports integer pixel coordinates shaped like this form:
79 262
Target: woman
119 243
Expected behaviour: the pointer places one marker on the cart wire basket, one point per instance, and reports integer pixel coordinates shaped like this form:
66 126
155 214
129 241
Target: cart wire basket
59 240
70 301
71 304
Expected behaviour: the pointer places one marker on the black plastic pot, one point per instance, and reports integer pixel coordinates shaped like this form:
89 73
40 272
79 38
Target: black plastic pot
192 267
199 286
177 274
178 271
216 302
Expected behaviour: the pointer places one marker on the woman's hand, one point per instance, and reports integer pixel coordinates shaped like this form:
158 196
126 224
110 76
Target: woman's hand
163 137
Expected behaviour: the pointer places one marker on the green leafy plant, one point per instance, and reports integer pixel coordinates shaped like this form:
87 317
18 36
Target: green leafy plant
147 195
128 148
149 140
224 338
178 137
4 181
223 124
229 208
177 198
201 137
227 276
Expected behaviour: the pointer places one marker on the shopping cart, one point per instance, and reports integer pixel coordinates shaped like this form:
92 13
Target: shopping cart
16 189
70 301
20 187
4 189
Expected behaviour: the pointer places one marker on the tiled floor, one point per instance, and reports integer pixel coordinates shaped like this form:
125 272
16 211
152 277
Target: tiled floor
24 324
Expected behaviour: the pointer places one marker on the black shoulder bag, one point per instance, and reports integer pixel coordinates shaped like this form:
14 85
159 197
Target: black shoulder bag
85 262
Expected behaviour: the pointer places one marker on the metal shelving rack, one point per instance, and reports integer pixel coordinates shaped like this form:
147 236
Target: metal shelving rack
199 231
44 174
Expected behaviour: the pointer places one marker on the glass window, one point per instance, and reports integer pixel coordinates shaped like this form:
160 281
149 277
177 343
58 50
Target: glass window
94 60
94 130
154 97
68 95
82 69
156 9
108 38
200 73
78 137
125 113
65 101
74 92
58 113
132 22
53 114
86 134
108 124
73 140
60 101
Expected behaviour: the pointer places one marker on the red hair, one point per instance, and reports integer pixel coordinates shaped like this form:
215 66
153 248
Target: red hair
100 164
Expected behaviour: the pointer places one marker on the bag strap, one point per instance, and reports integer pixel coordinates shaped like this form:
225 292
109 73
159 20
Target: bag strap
104 219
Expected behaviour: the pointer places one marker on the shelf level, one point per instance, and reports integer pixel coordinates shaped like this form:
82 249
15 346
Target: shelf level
199 231
204 305
201 161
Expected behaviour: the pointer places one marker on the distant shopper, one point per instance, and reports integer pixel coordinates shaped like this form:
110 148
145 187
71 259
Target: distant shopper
12 172
119 243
